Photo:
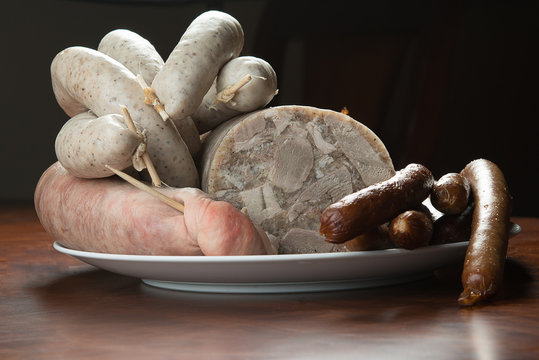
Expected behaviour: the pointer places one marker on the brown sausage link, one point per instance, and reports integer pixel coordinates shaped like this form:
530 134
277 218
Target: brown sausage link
485 258
452 228
376 204
411 229
451 193
374 239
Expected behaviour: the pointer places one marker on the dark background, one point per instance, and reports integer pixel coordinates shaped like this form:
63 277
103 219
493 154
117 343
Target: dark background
440 82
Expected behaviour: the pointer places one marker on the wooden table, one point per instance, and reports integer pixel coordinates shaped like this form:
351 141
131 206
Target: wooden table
55 307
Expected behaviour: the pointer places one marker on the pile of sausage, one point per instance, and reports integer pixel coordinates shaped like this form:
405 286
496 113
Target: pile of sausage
203 82
131 110
475 203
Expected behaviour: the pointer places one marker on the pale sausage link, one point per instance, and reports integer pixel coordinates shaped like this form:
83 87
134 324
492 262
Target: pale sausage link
256 93
86 143
133 51
85 79
212 39
141 58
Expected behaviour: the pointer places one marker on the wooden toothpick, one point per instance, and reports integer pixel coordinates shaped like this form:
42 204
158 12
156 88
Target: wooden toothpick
150 98
228 93
141 186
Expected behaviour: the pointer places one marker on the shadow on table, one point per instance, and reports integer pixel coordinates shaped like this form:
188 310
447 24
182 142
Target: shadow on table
114 296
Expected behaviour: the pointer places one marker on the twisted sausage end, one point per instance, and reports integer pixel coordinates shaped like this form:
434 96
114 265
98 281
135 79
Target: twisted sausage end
470 296
332 226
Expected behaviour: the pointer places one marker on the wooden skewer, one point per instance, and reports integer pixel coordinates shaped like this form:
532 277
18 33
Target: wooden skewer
156 181
141 186
128 119
150 98
228 93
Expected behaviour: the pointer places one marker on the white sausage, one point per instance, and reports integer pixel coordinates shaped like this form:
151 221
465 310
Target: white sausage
255 94
211 113
212 39
189 133
86 143
139 55
84 79
133 51
258 92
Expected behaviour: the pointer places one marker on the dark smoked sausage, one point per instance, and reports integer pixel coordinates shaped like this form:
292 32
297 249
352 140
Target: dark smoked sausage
374 239
411 229
482 273
451 193
452 228
376 204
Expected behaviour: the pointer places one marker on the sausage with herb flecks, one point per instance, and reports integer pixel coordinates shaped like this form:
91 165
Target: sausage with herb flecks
212 39
86 143
84 78
133 51
255 94
140 57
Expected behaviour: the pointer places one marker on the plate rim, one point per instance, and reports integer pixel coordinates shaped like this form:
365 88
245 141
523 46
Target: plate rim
514 230
250 258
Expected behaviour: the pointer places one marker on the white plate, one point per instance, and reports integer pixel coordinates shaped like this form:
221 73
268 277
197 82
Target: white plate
280 273
277 273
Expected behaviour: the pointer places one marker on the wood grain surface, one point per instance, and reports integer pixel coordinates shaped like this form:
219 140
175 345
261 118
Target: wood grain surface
55 307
